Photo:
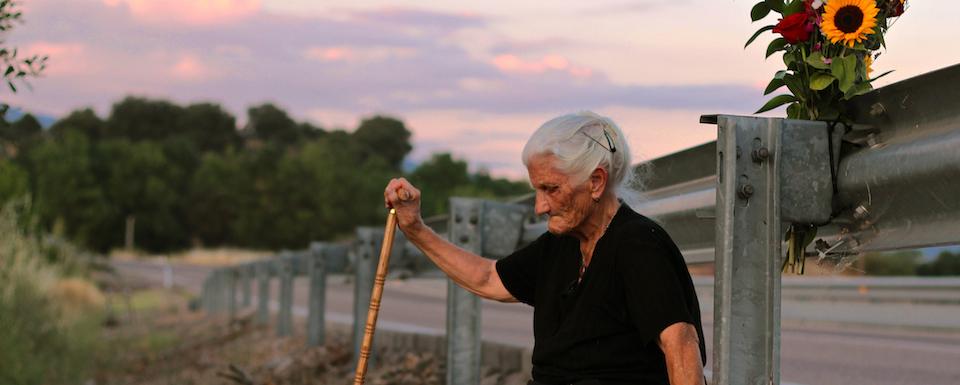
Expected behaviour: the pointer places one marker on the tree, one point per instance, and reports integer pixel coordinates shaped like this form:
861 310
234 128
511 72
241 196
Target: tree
385 137
499 187
137 118
437 178
891 263
310 132
13 181
84 121
221 193
68 195
209 127
23 129
947 263
141 183
16 69
20 135
269 123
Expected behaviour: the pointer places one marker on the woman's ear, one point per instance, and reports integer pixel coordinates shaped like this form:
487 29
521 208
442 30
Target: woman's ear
598 182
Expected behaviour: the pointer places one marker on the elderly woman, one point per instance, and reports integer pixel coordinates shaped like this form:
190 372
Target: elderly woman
613 300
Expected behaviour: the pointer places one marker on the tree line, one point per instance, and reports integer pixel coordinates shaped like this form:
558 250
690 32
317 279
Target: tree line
185 176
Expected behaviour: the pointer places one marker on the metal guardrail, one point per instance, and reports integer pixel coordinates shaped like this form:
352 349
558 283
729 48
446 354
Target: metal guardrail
897 176
912 290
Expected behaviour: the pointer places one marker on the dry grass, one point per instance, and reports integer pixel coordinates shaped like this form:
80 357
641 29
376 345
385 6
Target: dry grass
77 297
200 257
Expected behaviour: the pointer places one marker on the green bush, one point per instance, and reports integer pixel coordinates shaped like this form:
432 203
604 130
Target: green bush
892 263
947 263
44 339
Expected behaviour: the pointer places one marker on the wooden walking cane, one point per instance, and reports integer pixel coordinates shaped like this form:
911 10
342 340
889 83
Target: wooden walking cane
377 292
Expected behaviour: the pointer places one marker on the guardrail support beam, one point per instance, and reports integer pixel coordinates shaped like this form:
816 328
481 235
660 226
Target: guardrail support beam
263 292
316 268
246 279
285 313
746 339
463 307
366 251
232 275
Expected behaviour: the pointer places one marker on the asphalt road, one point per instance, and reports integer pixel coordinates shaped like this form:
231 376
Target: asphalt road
821 343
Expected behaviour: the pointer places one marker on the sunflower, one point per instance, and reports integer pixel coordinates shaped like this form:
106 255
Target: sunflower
868 64
849 21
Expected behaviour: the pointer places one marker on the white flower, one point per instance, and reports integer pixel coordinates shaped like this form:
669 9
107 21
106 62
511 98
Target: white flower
817 4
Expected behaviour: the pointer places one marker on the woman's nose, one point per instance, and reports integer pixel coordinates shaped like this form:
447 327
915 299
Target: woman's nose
540 206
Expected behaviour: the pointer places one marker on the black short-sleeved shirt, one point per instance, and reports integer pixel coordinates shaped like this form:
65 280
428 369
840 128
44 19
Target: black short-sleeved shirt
606 327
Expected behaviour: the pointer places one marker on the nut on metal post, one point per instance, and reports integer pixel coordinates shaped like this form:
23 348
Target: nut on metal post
861 212
760 155
745 191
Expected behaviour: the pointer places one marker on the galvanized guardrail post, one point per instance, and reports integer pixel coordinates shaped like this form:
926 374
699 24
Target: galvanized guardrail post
487 229
246 279
232 275
205 294
316 335
746 341
218 293
263 291
285 313
365 252
463 307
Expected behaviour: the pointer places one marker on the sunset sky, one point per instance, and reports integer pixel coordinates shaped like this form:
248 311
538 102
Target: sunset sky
470 77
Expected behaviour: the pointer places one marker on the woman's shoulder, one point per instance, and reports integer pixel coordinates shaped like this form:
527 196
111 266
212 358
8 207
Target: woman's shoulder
633 226
640 239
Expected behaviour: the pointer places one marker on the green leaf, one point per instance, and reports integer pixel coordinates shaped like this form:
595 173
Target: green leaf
845 70
793 111
9 70
820 81
794 85
789 58
792 7
755 34
774 5
12 87
850 66
880 76
759 11
773 85
777 101
858 89
777 44
815 60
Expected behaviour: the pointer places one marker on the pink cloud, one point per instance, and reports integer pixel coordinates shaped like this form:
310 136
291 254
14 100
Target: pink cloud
63 58
329 54
512 64
192 12
188 67
358 54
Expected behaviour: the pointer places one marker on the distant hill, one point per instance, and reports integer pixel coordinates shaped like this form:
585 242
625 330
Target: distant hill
15 113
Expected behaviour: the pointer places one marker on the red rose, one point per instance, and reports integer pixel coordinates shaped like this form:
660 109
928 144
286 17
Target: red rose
794 28
896 11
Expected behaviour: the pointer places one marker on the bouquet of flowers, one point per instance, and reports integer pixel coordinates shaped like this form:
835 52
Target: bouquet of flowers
828 48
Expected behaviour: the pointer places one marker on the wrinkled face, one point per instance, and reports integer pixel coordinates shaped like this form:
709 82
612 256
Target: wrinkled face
567 205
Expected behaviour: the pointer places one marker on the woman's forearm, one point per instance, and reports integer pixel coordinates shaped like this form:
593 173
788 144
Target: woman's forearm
471 271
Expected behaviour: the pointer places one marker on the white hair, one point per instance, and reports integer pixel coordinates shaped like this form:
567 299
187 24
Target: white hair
581 142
